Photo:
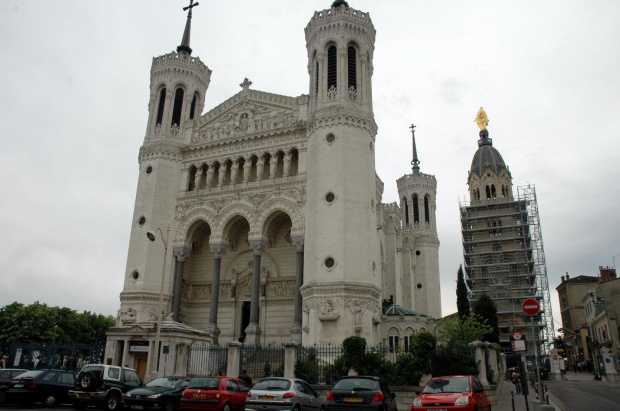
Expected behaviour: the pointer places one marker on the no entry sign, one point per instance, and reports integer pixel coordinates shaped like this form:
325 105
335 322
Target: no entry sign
531 306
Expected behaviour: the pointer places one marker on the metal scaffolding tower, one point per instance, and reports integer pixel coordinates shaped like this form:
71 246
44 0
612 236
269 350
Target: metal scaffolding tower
504 258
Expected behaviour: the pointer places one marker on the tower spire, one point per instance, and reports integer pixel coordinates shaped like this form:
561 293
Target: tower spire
415 162
188 27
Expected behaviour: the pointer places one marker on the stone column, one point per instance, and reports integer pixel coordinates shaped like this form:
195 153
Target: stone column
480 360
218 251
492 357
234 359
209 179
298 242
181 253
247 167
222 171
253 330
290 359
287 164
197 178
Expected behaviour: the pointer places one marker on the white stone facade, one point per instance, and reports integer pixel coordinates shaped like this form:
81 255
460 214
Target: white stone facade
279 195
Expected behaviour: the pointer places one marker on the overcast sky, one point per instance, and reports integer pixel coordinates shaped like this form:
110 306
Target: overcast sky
74 82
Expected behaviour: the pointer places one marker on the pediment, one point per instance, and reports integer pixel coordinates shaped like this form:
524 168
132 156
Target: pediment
249 114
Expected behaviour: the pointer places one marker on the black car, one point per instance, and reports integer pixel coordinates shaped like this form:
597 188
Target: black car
50 387
164 393
360 393
6 376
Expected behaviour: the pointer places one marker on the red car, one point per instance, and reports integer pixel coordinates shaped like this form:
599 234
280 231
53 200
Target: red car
215 394
458 392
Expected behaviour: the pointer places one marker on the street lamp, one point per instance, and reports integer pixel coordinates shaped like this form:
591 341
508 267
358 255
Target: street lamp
151 236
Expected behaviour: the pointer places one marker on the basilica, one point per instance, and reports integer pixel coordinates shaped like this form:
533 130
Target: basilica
262 219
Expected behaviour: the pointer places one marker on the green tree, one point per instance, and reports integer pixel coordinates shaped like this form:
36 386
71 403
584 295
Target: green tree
462 303
485 307
454 331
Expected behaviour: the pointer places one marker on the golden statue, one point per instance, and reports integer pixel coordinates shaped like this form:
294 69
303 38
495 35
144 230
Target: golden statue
482 119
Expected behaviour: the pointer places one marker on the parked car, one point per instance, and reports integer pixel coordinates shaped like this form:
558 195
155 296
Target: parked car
164 393
50 387
360 393
458 392
215 394
6 375
271 394
101 384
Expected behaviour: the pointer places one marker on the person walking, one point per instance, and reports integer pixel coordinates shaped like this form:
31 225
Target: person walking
245 377
516 380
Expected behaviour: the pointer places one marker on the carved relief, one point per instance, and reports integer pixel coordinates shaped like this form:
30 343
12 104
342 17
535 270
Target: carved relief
201 292
327 310
281 288
128 316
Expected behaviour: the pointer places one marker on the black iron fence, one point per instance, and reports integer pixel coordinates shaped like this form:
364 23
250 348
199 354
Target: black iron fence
259 362
67 356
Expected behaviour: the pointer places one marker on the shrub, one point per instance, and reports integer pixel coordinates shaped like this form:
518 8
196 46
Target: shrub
307 371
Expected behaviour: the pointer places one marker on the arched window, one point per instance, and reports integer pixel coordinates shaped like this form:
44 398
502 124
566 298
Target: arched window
178 106
493 193
316 79
488 193
416 209
406 210
192 109
332 72
192 178
427 211
160 108
352 71
503 192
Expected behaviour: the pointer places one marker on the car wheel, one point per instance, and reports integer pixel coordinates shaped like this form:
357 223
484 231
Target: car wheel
88 381
2 397
226 407
112 401
297 408
50 401
169 405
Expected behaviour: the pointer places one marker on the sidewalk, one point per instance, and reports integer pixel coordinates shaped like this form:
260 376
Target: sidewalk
505 398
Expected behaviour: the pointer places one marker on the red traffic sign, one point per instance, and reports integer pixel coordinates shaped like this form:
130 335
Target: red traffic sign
517 335
530 306
555 357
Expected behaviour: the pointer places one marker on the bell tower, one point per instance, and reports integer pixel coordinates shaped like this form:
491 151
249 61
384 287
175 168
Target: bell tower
342 267
178 86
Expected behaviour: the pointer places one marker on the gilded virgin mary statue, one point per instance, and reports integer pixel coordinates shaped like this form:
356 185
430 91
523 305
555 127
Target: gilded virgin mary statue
482 119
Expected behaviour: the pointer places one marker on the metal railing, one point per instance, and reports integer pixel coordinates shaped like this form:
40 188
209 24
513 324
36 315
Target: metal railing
206 360
67 356
262 361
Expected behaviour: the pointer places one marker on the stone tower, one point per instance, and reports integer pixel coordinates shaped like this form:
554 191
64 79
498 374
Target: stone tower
342 263
178 86
420 248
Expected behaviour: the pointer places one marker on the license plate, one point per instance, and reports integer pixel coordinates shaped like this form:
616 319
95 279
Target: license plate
137 407
84 396
353 399
266 397
19 386
199 395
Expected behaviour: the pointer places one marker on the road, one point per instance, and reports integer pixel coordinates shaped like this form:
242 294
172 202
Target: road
586 395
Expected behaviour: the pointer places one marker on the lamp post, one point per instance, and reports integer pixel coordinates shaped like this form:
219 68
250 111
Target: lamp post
151 236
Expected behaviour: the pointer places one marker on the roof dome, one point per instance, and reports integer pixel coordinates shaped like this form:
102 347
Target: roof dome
487 157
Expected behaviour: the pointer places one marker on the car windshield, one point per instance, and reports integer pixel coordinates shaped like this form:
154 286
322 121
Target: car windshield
357 384
272 385
447 385
204 383
163 382
30 374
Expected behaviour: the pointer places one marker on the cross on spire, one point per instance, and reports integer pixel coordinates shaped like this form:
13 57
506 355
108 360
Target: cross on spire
188 26
415 162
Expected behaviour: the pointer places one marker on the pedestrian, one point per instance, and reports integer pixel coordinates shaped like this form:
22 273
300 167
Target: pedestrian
245 377
575 366
267 369
3 361
516 380
242 338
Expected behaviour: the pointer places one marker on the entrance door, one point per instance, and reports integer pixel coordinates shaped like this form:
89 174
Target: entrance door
245 316
139 364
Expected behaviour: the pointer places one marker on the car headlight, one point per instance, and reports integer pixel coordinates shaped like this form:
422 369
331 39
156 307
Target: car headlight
154 396
462 401
128 394
417 402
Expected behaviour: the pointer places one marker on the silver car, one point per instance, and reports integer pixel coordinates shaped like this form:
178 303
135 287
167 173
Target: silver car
279 394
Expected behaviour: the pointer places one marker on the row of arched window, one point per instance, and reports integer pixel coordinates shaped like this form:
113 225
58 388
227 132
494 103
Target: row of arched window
331 81
491 192
415 204
177 107
243 170
396 342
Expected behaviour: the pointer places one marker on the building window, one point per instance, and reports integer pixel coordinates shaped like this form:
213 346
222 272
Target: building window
192 109
178 106
160 108
416 209
316 79
332 71
352 69
488 189
406 205
427 212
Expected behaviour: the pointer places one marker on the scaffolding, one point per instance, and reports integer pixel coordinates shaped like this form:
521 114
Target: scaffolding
504 258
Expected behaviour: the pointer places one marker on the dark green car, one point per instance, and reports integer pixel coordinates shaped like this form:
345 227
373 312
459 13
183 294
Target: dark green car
164 393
